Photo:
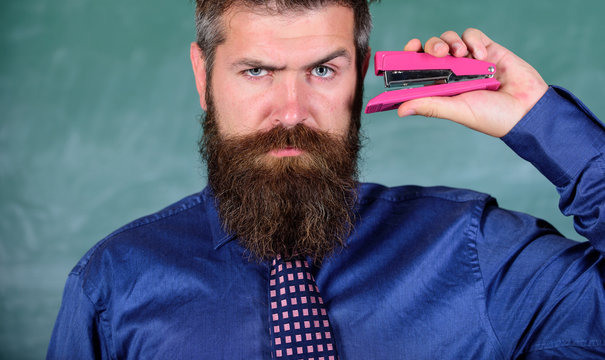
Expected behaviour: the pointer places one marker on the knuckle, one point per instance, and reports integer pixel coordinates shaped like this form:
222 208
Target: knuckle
449 34
470 32
432 40
432 110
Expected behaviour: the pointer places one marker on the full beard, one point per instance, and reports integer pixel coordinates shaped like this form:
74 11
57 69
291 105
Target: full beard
290 206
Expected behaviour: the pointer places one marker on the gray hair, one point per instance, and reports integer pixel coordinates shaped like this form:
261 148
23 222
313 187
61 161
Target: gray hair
210 32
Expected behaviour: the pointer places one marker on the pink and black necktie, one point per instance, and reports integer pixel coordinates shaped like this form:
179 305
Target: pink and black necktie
300 328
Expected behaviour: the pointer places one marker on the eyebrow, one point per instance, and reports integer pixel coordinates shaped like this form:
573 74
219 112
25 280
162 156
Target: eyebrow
333 55
254 63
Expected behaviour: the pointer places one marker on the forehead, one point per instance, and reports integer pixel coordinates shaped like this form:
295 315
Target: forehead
293 32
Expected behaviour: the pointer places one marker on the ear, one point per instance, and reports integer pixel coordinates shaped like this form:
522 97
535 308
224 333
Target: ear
366 63
199 71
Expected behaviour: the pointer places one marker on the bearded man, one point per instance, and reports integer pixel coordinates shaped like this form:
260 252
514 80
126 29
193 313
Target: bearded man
285 255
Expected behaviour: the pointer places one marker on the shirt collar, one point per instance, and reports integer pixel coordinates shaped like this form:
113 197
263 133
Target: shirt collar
219 236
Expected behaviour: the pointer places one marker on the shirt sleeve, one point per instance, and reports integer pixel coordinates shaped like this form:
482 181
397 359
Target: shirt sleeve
544 294
77 333
566 143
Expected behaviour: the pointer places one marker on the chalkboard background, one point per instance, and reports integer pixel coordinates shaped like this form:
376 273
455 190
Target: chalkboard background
99 123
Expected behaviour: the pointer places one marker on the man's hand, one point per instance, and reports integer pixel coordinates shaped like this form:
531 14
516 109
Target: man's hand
491 112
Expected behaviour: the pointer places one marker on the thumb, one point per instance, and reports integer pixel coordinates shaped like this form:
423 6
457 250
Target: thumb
436 107
493 119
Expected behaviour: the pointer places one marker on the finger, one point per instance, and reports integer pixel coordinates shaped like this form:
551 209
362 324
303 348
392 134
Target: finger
436 47
413 45
477 42
455 43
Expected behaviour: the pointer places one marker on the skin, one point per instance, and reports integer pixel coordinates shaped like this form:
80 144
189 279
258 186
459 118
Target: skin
282 70
300 68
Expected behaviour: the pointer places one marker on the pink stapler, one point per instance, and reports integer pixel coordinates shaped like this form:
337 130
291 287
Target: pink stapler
413 75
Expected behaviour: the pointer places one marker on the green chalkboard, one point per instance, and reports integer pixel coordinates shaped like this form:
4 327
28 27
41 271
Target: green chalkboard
99 125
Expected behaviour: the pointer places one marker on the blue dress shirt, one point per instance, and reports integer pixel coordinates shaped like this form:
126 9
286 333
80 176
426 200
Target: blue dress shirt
429 273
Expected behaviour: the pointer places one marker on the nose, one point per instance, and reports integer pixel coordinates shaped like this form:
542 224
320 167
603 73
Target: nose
290 102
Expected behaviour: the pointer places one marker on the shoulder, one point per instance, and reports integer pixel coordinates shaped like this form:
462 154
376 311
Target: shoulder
173 226
370 192
404 212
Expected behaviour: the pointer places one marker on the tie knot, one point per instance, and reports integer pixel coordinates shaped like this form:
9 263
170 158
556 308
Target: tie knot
293 263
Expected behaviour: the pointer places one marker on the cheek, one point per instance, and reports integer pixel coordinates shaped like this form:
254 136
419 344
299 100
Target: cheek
239 111
333 110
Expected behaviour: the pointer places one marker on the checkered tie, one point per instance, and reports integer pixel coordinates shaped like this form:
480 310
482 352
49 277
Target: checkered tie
300 328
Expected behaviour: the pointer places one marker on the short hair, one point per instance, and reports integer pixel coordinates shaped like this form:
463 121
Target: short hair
210 32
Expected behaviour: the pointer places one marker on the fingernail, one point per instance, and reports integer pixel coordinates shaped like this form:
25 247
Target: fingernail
438 46
456 46
478 54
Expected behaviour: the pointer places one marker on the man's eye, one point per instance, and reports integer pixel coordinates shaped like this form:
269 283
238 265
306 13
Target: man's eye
322 71
256 72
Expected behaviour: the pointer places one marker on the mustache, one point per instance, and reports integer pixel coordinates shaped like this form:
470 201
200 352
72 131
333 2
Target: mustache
300 136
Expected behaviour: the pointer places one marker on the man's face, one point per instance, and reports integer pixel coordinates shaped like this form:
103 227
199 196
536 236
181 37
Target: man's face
284 70
280 150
